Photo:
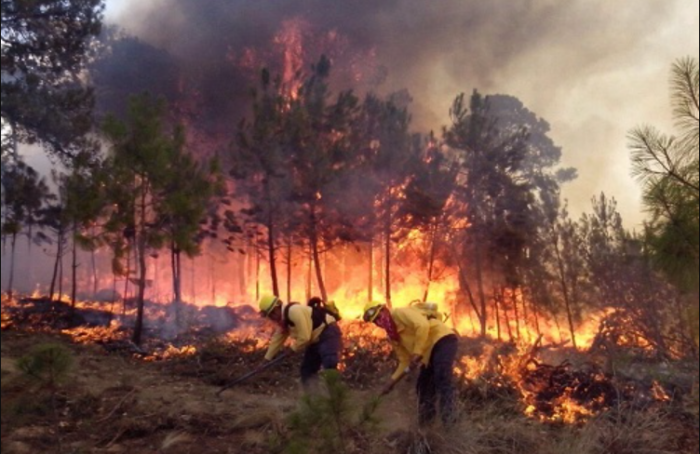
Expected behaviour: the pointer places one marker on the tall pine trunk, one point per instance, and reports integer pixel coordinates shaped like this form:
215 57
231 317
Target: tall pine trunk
138 327
176 267
271 241
141 257
60 278
125 297
271 256
478 266
309 273
316 255
289 269
498 315
74 270
516 313
11 282
565 290
93 260
464 285
387 260
370 276
54 277
431 259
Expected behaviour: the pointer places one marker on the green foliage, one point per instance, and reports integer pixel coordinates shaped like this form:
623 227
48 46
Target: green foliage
159 194
48 364
24 193
329 422
43 49
668 167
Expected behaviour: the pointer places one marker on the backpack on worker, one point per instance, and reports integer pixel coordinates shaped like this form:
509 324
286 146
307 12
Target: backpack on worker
329 307
318 316
428 309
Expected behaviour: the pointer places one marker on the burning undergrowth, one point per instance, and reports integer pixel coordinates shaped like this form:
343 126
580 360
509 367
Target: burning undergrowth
548 384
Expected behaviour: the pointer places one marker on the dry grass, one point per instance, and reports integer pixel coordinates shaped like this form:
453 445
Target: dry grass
627 431
489 431
480 431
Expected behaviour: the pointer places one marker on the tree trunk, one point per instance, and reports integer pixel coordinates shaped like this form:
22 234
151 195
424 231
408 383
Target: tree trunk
516 313
242 281
526 316
138 327
54 278
558 325
316 256
431 260
93 258
317 267
271 248
176 265
141 256
178 282
114 297
480 288
289 269
387 261
11 282
60 276
501 301
212 278
565 290
498 316
193 287
309 273
257 274
126 277
30 263
464 284
537 319
271 254
370 276
74 273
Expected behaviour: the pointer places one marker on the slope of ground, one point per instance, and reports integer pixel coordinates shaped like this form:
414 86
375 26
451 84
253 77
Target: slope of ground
117 401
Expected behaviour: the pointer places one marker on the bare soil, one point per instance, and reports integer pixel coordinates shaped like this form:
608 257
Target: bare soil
113 403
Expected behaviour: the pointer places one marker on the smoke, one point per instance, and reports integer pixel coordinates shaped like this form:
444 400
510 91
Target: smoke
593 69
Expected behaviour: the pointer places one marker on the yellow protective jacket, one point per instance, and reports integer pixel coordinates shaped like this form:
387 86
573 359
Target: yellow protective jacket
301 330
417 336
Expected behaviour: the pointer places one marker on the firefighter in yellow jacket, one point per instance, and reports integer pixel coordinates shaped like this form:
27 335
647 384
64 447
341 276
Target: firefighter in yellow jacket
420 341
314 331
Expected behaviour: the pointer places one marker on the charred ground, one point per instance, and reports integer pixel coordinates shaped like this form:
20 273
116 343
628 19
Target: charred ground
161 397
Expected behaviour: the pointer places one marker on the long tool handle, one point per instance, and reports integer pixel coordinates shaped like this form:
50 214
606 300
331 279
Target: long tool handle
396 381
245 377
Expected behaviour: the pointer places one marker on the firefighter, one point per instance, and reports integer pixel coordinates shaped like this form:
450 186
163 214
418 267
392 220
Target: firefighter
420 342
313 330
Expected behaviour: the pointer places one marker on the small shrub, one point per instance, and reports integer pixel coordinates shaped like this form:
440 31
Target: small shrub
49 364
330 422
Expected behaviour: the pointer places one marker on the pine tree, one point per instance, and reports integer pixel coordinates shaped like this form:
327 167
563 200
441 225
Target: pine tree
44 44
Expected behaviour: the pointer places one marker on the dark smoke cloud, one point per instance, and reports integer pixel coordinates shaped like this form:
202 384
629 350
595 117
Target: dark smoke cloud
592 68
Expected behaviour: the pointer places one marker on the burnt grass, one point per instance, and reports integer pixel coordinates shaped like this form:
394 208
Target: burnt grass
161 396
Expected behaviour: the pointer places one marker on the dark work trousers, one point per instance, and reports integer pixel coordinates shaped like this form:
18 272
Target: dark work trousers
325 352
436 379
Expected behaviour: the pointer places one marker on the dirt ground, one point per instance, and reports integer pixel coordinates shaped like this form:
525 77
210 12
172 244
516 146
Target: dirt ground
114 403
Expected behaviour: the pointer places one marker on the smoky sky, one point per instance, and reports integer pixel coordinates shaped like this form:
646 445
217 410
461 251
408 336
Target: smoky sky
593 69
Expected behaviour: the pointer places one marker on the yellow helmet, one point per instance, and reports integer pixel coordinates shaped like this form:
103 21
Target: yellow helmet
266 303
372 310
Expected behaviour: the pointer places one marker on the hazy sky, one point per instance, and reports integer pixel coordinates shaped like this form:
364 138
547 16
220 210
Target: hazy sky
594 69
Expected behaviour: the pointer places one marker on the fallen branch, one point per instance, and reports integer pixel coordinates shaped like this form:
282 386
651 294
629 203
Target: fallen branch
114 410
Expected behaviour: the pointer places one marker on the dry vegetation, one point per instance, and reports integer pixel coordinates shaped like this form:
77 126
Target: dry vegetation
117 400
